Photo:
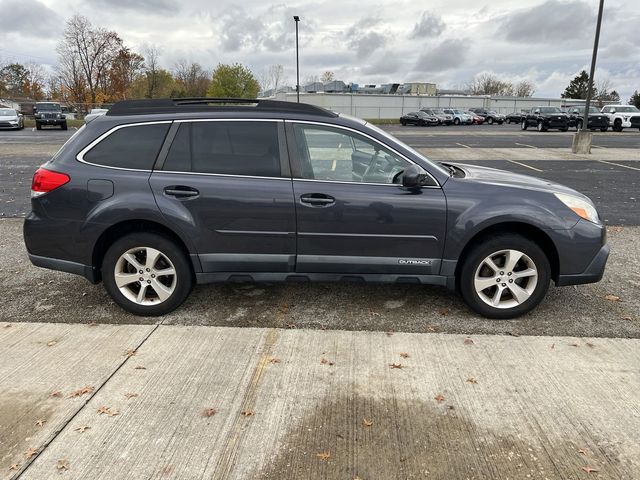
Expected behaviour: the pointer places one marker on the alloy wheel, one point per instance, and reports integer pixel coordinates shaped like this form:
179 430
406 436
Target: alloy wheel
506 279
145 276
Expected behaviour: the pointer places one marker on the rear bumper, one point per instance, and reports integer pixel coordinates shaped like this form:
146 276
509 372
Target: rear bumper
592 274
86 271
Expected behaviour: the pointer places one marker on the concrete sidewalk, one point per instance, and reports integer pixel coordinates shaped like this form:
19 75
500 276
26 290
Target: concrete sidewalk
306 404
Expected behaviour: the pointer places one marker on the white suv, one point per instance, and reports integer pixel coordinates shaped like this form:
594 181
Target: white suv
622 116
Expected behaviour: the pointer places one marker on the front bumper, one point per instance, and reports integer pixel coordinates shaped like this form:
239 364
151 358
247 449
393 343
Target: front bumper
51 121
592 274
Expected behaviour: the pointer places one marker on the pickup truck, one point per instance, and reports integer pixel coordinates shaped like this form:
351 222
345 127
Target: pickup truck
622 116
544 118
597 120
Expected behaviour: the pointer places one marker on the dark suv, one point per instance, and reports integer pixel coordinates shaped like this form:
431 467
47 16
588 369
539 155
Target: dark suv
49 113
157 195
544 118
597 119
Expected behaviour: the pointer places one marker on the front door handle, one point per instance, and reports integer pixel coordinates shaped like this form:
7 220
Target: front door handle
181 191
317 199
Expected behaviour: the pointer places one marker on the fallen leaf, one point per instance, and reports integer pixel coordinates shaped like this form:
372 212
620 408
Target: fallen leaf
104 409
396 365
439 398
590 470
63 464
324 361
82 391
323 455
51 343
113 413
209 412
56 393
430 328
404 354
130 353
246 413
513 334
292 325
14 466
92 324
130 395
582 451
284 308
373 313
468 341
40 422
612 298
82 428
167 470
366 422
574 345
553 345
590 345
8 325
140 367
30 453
444 311
472 380
389 334
450 407
627 317
274 360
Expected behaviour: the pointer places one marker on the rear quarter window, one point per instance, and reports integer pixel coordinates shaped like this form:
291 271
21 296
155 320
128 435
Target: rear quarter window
135 147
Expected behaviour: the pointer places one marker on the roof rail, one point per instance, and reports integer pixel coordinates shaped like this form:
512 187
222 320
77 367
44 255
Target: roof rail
203 104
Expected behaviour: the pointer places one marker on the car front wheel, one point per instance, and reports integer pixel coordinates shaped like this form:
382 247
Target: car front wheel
524 125
504 277
490 121
541 127
147 274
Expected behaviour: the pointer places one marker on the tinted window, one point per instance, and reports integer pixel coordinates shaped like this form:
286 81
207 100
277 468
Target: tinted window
339 155
231 148
129 147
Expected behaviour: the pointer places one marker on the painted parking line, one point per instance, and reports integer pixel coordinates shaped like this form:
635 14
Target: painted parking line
525 165
598 146
526 145
463 145
619 165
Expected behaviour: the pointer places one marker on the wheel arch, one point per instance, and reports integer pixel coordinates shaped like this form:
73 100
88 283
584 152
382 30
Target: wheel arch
531 232
126 227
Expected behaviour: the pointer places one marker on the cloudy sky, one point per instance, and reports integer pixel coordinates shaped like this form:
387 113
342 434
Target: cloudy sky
545 41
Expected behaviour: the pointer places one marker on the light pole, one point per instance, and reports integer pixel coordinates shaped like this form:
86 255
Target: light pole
296 18
582 138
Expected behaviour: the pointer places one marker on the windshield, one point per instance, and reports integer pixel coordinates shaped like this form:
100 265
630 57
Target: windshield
48 107
393 141
550 110
627 109
7 112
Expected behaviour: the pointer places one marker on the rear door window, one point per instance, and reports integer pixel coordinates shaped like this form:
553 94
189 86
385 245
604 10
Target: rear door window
133 147
228 148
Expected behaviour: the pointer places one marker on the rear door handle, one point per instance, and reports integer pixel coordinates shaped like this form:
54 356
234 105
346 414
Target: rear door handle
317 199
180 191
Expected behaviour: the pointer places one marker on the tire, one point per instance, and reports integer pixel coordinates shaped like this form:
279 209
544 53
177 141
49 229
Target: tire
604 129
565 129
524 125
403 123
541 127
578 126
500 123
421 123
38 126
617 126
170 256
490 121
533 280
64 126
456 121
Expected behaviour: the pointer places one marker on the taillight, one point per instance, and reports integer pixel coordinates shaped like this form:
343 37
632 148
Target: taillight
45 181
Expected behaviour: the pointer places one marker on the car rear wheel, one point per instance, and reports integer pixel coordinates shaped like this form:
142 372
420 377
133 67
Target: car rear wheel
490 121
523 125
147 274
403 123
505 276
578 126
456 121
617 125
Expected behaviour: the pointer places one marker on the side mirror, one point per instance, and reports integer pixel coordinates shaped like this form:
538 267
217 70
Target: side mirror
413 176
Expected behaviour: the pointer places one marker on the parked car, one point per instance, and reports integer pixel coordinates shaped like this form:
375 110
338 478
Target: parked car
49 113
10 118
622 116
597 120
422 119
442 117
459 117
490 117
544 118
157 195
515 117
475 118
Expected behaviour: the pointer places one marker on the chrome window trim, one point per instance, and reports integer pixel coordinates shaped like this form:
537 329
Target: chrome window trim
341 127
85 150
288 179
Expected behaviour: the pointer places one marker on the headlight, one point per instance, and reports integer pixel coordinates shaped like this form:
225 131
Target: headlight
582 208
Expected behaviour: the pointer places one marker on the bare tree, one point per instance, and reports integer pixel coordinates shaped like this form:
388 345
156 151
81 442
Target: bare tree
272 78
88 53
327 77
524 88
191 79
490 84
151 69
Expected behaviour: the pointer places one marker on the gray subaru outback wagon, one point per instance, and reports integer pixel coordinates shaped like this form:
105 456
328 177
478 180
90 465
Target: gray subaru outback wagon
158 195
